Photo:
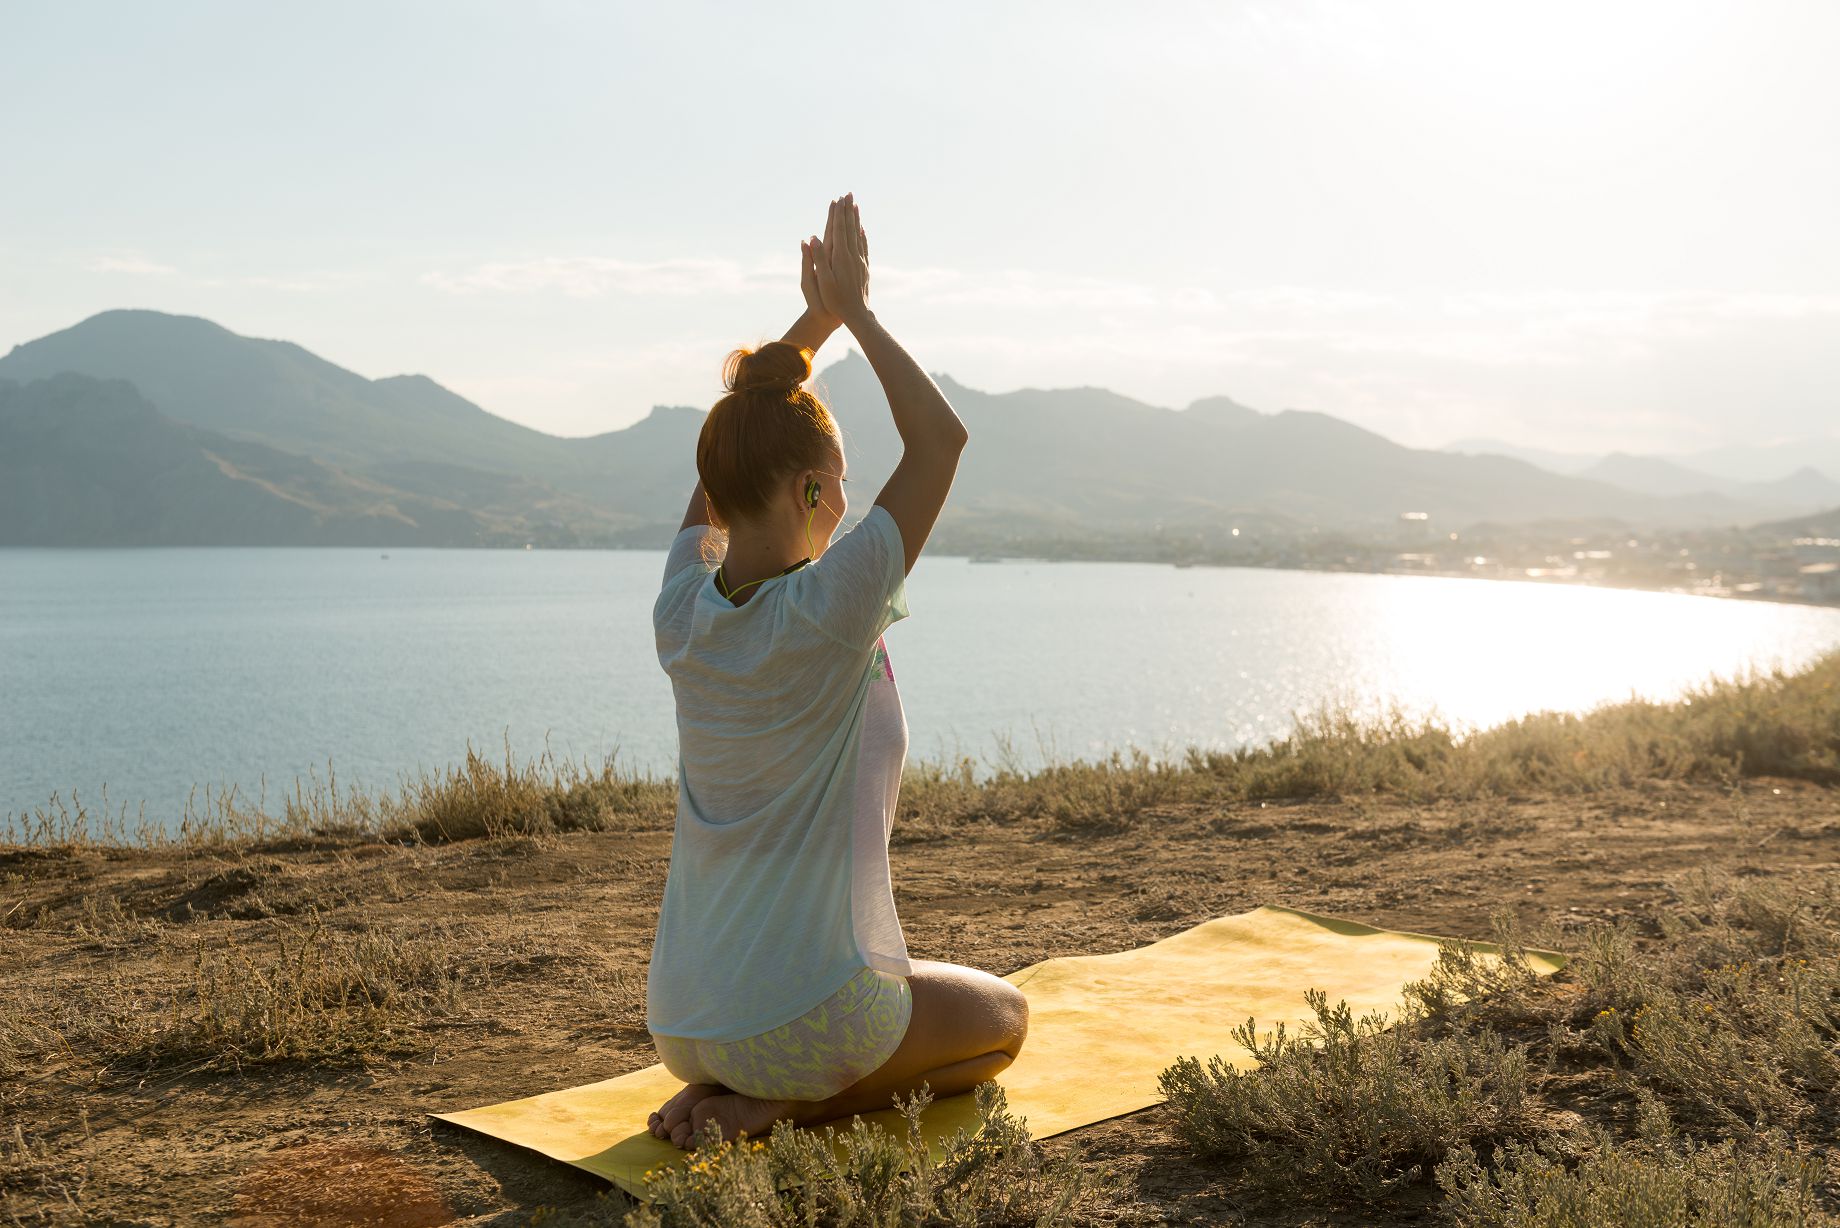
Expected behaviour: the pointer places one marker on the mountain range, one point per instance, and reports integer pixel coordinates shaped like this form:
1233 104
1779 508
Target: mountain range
1736 471
144 428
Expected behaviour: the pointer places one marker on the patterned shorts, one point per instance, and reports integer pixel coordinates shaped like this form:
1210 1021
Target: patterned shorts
829 1047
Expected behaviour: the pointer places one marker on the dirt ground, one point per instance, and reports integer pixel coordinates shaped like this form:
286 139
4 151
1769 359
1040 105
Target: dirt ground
561 929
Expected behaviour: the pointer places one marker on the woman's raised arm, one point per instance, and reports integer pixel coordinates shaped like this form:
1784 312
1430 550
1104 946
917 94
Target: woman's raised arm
932 437
811 330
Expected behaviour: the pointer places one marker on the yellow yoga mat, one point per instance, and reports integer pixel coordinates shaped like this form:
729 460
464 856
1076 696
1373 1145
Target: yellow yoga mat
1101 1029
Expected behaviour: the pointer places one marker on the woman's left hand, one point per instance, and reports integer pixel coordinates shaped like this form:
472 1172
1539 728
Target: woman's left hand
808 283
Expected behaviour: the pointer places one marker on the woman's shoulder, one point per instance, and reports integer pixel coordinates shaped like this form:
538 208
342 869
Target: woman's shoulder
857 588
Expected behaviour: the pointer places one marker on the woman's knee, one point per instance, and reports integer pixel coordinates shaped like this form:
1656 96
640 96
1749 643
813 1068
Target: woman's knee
1016 1013
984 1013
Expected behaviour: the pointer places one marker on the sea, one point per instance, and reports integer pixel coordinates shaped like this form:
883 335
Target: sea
141 681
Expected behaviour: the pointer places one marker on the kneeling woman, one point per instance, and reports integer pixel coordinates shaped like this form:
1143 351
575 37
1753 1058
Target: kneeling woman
780 984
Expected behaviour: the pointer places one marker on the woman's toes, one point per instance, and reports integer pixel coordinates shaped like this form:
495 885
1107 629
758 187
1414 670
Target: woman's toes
684 1133
677 1109
733 1114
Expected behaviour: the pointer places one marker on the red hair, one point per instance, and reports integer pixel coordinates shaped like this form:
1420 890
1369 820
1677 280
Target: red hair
765 429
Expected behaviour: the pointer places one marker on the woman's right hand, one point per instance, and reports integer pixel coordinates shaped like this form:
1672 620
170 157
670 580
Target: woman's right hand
842 259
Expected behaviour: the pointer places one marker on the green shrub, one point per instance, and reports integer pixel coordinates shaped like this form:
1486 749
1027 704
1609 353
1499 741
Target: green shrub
1368 1111
1466 979
1661 1180
994 1177
1731 1021
1735 1019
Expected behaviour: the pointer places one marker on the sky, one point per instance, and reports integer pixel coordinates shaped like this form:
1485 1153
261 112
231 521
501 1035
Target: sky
1582 226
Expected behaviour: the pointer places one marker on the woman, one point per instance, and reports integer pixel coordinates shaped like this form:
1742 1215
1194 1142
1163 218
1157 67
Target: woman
780 984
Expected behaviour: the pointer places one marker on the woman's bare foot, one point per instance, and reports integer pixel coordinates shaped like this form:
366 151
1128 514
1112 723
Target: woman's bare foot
735 1113
676 1110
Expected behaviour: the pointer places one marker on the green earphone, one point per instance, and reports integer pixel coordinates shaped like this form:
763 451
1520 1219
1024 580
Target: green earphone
811 500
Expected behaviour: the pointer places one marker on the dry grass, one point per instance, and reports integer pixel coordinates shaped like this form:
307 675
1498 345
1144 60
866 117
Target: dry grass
197 997
542 798
56 1177
1764 723
478 799
300 991
1773 722
541 940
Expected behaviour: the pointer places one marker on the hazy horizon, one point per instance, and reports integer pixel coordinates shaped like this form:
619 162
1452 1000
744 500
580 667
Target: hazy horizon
1571 227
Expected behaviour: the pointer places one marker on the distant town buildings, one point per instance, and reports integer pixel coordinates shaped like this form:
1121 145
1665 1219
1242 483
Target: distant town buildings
1414 527
1820 581
1758 564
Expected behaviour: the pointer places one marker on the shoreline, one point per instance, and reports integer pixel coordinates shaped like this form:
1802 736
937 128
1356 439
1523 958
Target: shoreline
986 558
185 800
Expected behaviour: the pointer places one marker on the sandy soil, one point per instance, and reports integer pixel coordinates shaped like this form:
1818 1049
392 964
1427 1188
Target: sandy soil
559 931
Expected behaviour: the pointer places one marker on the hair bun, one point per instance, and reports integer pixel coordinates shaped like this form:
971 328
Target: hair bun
777 366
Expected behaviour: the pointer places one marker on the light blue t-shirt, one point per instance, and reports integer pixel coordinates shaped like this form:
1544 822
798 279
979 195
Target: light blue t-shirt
790 746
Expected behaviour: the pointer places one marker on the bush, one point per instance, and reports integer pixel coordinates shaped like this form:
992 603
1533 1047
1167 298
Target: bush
1736 1020
996 1176
1660 1181
1367 1112
1465 979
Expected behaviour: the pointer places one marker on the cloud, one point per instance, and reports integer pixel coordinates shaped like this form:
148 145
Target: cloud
309 282
129 263
1539 326
593 276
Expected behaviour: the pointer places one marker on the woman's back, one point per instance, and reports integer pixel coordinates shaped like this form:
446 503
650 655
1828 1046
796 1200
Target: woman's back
791 742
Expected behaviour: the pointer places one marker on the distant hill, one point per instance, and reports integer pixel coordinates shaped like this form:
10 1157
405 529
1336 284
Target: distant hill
1767 462
1773 479
1801 490
88 462
277 393
1813 524
1545 458
1045 464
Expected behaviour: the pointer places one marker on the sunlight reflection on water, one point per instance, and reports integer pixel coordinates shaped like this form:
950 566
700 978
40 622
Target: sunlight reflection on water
1097 655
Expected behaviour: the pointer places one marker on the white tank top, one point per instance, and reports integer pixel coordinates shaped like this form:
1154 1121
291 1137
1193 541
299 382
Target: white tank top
791 740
